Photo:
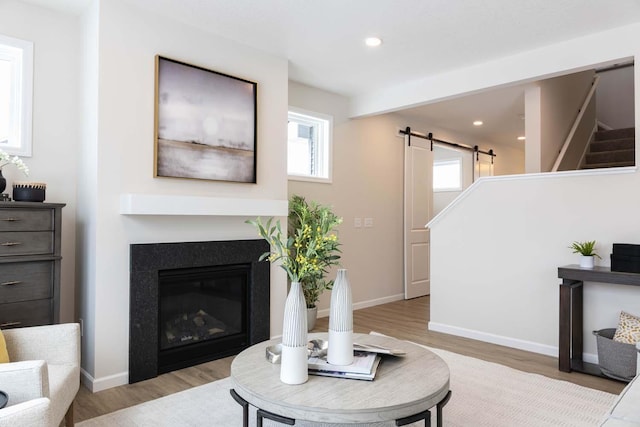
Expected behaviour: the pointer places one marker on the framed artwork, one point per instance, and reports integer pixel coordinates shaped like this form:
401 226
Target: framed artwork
205 124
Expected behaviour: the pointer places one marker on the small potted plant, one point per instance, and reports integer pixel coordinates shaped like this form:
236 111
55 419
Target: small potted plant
586 250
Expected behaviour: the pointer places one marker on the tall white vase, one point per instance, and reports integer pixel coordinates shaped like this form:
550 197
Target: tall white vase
293 365
341 322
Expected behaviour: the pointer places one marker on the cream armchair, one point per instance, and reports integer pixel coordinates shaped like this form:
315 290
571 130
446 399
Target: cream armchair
43 377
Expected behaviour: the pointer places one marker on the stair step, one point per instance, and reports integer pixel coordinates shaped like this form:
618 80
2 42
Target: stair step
608 165
615 134
611 156
613 145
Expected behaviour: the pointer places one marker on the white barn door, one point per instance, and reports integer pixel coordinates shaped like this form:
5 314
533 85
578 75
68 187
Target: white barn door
418 197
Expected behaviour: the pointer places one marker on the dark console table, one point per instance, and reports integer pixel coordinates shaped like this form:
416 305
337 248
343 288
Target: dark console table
570 336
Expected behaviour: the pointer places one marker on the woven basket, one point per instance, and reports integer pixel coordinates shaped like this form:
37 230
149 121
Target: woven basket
616 359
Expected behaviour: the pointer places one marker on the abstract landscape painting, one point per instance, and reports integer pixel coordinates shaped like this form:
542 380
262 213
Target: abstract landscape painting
205 124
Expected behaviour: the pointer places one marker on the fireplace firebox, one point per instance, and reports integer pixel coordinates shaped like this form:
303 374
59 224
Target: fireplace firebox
195 301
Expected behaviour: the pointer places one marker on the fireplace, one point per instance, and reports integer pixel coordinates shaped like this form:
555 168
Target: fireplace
193 302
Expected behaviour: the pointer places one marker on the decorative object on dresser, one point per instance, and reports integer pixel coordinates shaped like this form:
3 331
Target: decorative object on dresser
30 258
6 159
3 182
29 191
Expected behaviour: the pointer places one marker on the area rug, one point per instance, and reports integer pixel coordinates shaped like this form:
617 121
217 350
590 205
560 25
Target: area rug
484 394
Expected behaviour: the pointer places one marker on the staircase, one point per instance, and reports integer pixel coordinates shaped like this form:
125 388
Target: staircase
611 148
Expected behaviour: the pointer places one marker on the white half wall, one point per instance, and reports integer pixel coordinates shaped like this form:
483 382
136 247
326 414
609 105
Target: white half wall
127 41
494 272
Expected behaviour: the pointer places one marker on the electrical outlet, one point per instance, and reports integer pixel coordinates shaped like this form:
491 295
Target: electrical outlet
368 222
357 222
81 327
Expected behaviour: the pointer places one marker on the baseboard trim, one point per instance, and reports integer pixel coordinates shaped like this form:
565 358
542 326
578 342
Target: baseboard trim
531 346
367 303
95 385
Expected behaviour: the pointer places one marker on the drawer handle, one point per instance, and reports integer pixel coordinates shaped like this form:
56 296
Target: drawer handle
10 219
13 282
10 243
4 325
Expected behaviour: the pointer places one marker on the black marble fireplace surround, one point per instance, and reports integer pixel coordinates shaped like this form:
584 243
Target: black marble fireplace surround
147 260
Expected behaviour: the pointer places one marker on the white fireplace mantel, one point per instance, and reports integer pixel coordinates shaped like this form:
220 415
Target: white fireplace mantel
160 204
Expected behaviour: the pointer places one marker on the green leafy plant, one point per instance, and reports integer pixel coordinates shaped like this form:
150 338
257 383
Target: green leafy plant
310 247
584 248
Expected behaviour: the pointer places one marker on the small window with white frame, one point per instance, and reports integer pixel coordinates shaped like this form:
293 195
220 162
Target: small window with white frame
16 93
309 146
447 175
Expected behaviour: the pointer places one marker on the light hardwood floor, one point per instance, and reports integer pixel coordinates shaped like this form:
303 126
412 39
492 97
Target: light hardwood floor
405 320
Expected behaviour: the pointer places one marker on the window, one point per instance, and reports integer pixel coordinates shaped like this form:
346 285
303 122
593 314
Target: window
309 146
16 91
447 175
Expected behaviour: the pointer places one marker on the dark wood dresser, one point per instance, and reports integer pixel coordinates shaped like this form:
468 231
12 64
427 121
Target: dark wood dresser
29 263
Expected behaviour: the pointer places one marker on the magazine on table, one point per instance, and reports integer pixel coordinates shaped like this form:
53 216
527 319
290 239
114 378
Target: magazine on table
336 371
363 367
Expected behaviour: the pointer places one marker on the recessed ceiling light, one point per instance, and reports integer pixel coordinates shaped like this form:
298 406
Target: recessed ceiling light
478 123
521 138
373 41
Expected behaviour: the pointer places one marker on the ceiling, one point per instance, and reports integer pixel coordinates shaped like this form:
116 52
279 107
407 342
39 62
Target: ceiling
323 39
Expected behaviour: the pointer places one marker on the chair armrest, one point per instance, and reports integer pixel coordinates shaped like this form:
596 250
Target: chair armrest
34 412
24 381
56 344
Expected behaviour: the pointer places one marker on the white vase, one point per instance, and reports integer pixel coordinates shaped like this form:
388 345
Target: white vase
312 316
586 261
340 350
293 365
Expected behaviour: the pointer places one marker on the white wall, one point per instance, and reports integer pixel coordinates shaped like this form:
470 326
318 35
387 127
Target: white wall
367 182
128 40
55 119
614 98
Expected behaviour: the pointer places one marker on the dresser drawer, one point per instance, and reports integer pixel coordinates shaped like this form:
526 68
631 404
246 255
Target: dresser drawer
28 313
26 219
24 281
26 243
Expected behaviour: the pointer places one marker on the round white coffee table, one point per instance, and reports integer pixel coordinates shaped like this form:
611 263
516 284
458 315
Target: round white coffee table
404 389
